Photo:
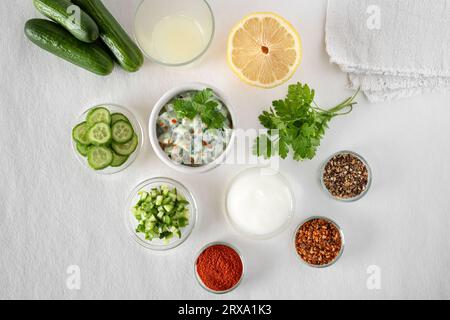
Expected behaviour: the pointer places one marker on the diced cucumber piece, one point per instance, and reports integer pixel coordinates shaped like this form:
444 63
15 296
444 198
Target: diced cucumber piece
182 222
117 117
118 160
98 115
144 195
122 131
79 133
82 149
159 200
99 158
126 149
99 134
168 207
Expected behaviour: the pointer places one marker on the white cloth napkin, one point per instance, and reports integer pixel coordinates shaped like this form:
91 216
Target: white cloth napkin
391 48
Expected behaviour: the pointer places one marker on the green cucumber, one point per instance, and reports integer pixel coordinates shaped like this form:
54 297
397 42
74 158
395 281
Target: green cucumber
118 160
71 17
79 133
99 158
55 39
99 134
82 149
122 131
117 117
113 35
98 115
126 149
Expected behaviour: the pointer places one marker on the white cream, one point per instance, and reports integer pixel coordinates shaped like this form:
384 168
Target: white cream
258 203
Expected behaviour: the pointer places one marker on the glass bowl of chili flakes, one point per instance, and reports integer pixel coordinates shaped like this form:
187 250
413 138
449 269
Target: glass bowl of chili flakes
318 242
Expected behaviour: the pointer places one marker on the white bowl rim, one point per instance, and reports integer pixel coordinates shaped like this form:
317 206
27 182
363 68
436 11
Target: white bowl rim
154 139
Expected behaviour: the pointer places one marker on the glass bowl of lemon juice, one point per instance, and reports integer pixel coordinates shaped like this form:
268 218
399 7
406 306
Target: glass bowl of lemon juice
174 32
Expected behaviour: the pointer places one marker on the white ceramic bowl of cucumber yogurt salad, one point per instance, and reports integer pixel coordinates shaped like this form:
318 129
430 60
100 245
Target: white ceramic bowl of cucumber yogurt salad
189 145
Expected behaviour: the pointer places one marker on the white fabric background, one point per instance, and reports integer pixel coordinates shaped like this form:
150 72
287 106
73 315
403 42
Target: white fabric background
54 213
408 55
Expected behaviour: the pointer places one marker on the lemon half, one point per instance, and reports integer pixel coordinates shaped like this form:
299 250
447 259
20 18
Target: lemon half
264 50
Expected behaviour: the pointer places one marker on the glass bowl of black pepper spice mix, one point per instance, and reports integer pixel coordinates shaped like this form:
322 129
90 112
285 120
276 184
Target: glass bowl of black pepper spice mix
319 242
346 176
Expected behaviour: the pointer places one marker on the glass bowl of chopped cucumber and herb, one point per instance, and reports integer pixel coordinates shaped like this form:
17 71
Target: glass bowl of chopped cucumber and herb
160 214
107 138
191 128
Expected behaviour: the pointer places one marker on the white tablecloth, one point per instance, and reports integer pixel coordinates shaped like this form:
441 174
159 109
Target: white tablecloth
54 213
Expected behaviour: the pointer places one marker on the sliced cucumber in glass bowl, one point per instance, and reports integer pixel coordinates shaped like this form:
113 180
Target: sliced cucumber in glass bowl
107 138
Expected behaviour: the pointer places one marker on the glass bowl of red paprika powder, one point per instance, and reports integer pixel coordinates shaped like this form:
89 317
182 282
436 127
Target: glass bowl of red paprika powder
219 267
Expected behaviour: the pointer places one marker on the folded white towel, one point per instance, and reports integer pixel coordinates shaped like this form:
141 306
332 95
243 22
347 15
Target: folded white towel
391 48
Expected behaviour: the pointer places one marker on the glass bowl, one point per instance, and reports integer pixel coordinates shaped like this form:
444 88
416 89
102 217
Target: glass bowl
294 238
199 280
131 222
113 108
369 178
259 236
152 15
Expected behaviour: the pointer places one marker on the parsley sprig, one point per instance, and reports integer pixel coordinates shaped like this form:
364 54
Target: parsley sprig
203 103
297 124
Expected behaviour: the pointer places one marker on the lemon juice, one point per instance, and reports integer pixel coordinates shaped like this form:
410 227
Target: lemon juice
174 35
177 39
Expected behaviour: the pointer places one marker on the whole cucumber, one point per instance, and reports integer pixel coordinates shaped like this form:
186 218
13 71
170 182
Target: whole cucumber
71 17
57 40
124 49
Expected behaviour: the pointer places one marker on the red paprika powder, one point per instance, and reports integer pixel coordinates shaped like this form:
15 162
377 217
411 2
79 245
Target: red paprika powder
219 267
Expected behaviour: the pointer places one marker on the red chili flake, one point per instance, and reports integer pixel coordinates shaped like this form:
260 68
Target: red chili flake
219 267
174 121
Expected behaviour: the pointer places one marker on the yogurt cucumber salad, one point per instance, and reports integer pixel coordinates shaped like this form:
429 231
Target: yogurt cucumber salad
194 128
105 139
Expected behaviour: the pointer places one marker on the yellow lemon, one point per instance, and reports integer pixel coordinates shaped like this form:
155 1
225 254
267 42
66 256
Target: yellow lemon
264 50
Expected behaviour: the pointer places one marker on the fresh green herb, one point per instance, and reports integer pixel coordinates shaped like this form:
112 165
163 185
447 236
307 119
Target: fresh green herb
162 213
297 124
204 104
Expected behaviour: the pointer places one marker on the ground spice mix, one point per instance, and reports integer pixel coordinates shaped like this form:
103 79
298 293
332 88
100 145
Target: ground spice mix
219 267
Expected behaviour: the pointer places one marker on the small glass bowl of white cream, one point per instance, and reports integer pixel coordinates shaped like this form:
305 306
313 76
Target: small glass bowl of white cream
259 203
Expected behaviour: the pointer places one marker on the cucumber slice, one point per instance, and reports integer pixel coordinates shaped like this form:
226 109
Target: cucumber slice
126 149
122 131
118 160
117 117
98 115
79 133
99 158
100 134
82 149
